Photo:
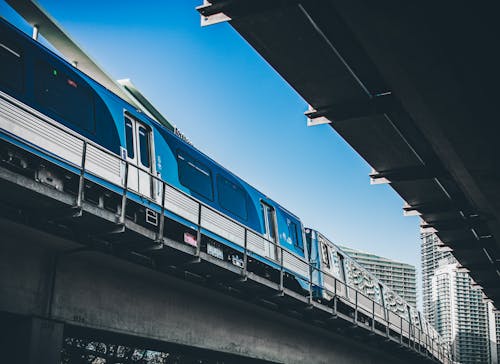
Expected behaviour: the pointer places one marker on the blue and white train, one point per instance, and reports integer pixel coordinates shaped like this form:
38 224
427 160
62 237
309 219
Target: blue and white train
52 112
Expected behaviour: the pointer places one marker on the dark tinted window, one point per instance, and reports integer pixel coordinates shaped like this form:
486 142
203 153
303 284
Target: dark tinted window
293 233
342 267
144 146
325 258
268 212
64 95
129 136
11 66
231 197
195 176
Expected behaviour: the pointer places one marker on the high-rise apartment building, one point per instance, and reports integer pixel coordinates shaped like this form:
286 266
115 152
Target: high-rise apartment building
431 256
497 330
455 307
494 333
400 277
460 314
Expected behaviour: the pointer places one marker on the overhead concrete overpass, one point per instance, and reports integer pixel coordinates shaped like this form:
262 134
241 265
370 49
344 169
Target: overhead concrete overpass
413 88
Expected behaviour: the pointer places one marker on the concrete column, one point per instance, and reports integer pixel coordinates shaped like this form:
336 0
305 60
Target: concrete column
32 340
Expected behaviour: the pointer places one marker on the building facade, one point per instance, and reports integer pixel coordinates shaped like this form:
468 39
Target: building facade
455 307
497 330
431 255
400 277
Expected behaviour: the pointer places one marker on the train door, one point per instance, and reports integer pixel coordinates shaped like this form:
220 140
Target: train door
138 139
326 266
325 255
269 216
342 290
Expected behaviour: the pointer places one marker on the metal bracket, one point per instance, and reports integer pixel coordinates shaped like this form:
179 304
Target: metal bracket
313 120
210 14
374 105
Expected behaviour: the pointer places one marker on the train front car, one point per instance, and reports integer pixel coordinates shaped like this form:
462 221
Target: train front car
52 112
51 107
69 132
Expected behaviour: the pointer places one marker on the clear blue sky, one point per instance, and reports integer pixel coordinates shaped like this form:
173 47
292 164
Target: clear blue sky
238 110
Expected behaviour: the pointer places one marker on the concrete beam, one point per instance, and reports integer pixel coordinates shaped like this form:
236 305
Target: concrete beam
97 291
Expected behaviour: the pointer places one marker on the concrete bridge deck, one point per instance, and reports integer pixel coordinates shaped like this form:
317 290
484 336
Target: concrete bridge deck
65 274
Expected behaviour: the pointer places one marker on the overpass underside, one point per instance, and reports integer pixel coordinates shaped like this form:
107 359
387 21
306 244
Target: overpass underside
71 273
412 88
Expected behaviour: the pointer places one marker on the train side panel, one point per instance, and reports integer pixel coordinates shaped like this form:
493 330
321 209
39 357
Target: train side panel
59 111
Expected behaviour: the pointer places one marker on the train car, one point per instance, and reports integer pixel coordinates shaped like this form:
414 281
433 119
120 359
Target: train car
51 110
67 131
335 274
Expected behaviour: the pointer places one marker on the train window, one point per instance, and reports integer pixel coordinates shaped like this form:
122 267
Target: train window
342 267
144 146
12 70
269 218
325 257
293 233
65 96
195 176
336 263
129 136
231 197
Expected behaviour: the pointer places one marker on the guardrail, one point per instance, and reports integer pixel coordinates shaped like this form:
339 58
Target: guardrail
100 163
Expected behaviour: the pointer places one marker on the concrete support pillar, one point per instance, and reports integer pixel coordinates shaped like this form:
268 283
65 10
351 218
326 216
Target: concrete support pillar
32 341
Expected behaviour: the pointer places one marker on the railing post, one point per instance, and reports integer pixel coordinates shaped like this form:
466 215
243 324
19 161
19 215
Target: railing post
355 307
81 181
411 335
281 270
335 297
415 337
400 330
198 232
310 298
387 323
373 316
245 256
161 226
124 196
420 340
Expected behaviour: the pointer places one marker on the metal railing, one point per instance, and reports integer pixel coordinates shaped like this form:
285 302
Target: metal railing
358 303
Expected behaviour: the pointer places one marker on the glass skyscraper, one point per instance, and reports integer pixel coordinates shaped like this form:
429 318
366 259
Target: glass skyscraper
455 307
